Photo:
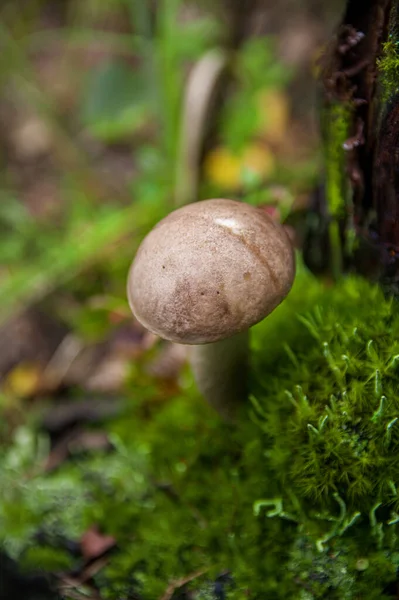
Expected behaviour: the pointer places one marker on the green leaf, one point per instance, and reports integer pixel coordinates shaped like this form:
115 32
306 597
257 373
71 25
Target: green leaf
116 101
239 121
196 37
257 66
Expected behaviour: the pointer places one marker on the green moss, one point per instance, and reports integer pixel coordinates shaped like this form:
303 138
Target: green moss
388 66
335 430
388 63
336 130
299 501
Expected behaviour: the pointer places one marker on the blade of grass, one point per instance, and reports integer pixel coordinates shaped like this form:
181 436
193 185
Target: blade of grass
85 244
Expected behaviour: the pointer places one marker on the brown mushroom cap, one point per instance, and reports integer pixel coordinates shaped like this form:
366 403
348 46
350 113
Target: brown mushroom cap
210 270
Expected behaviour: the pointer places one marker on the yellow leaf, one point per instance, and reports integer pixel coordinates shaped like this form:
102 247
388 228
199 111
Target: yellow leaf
23 381
228 171
222 168
274 114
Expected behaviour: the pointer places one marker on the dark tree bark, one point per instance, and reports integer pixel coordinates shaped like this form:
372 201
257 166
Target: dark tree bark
359 209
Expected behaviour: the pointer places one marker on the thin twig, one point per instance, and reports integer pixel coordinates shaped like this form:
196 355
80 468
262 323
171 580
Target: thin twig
178 583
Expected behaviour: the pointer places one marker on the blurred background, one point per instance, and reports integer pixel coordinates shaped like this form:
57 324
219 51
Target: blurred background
112 114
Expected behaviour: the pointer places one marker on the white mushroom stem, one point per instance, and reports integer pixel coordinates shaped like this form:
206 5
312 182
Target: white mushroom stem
220 370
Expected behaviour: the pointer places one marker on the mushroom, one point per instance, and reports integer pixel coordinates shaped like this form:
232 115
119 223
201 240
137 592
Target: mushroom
203 276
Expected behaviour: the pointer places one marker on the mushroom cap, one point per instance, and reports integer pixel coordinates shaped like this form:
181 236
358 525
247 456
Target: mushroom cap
210 270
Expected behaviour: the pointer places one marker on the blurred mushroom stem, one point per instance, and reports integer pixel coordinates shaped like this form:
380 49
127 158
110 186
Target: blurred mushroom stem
220 370
199 102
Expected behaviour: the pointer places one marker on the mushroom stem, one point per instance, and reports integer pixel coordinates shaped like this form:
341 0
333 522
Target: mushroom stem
220 370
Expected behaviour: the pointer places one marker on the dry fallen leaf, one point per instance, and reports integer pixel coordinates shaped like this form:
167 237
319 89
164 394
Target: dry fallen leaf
95 544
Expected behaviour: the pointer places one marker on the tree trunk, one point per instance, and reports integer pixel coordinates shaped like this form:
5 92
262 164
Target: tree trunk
357 209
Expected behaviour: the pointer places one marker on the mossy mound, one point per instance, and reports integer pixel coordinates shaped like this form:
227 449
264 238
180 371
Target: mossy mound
298 501
335 432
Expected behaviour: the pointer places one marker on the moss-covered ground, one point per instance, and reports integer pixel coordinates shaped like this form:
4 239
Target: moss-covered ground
297 501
